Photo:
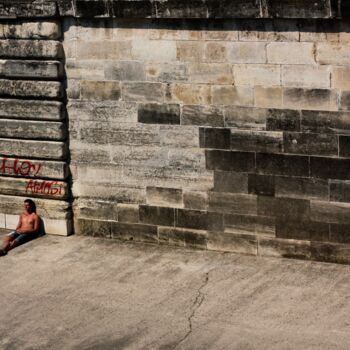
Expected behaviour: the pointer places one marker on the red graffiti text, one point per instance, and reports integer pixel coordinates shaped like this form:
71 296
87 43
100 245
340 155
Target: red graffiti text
19 167
52 188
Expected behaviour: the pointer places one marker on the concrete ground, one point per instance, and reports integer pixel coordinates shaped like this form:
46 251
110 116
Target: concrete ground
88 294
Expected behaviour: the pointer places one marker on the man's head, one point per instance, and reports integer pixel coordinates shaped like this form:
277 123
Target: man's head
29 206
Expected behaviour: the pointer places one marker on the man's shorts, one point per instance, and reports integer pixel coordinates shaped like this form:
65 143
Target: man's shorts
22 238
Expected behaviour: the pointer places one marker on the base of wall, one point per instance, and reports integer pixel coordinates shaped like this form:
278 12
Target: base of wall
251 244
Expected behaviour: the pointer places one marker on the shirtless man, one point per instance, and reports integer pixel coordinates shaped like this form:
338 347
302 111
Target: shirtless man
26 230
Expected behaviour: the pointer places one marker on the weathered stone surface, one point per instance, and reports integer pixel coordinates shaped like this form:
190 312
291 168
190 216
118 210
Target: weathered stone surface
310 143
30 49
32 129
325 122
298 187
170 197
232 95
230 161
261 185
102 50
39 8
339 233
31 69
33 168
21 29
278 164
228 181
331 212
29 148
247 52
143 92
202 115
345 101
159 114
134 232
31 88
100 90
125 71
183 237
198 220
268 97
283 120
34 188
257 141
95 228
232 203
245 117
195 200
332 53
232 242
339 191
218 138
128 212
261 225
257 74
31 109
290 53
95 209
157 215
330 168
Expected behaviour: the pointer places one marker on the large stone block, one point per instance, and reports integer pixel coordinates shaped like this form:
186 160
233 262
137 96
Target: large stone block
36 149
179 136
166 72
31 69
182 237
190 51
232 203
247 52
316 99
330 168
283 120
199 220
104 50
202 115
197 94
21 29
32 129
143 92
279 164
310 143
159 114
233 242
230 161
245 117
339 233
299 187
153 50
95 228
31 88
257 74
170 197
34 188
210 73
195 200
33 168
325 122
306 76
268 97
339 191
345 101
332 53
100 90
125 71
218 138
344 146
31 109
95 209
256 141
263 185
135 232
232 182
261 225
331 212
233 95
157 215
290 53
341 78
47 49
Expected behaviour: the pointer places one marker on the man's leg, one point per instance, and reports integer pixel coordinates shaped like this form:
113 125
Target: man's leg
9 242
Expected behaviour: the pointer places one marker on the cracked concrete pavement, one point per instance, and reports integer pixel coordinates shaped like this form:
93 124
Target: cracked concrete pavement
88 294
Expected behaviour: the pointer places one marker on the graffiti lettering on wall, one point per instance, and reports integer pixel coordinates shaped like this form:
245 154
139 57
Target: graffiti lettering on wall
19 167
52 188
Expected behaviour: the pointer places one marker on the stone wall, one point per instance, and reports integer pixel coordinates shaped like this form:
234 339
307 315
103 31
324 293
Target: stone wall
33 132
229 134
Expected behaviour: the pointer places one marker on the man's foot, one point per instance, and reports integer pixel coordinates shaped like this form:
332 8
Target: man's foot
3 252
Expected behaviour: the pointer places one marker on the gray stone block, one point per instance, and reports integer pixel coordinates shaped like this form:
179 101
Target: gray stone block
31 69
27 49
331 212
31 88
228 181
202 115
245 117
170 197
232 203
31 109
32 129
183 237
339 191
94 228
260 225
36 149
135 232
125 71
128 212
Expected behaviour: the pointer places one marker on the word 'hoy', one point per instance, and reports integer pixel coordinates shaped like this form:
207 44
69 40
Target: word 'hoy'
19 167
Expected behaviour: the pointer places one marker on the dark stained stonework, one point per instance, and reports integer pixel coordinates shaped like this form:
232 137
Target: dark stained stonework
176 8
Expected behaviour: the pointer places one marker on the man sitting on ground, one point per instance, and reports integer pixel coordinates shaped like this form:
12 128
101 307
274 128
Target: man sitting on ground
28 228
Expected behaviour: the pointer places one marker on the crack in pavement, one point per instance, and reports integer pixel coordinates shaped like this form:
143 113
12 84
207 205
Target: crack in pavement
196 305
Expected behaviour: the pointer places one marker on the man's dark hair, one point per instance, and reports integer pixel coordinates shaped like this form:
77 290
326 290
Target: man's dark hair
32 205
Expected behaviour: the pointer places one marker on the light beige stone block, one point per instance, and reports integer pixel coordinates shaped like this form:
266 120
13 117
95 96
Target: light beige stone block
290 53
61 227
216 52
270 97
233 95
190 93
341 78
2 220
257 74
306 76
333 53
155 51
11 221
100 90
104 50
210 73
247 52
190 51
